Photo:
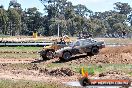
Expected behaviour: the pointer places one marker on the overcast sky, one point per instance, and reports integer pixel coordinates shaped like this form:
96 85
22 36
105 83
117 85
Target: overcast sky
94 5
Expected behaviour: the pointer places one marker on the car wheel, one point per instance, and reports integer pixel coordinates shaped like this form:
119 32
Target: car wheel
44 57
49 54
84 81
95 50
89 54
66 56
42 54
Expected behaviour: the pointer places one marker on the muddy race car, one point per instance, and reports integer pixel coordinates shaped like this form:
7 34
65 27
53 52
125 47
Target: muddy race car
65 52
48 51
89 46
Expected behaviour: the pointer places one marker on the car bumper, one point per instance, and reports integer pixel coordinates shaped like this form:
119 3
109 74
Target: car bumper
102 46
42 53
57 54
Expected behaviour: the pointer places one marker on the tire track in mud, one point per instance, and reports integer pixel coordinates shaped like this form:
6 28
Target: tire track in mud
36 75
122 55
15 61
18 52
40 77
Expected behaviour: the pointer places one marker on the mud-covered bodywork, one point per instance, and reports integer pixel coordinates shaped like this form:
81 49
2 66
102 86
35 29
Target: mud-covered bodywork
48 51
89 46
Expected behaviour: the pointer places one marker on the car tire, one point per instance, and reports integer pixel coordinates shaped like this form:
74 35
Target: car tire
66 56
94 51
49 54
89 54
42 54
44 57
84 81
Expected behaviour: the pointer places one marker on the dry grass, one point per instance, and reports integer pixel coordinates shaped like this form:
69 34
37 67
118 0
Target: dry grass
19 56
4 83
116 40
19 52
20 49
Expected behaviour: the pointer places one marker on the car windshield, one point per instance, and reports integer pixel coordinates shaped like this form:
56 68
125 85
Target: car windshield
76 43
82 42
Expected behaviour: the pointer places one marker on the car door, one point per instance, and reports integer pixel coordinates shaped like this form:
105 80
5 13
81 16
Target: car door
75 49
83 47
79 47
88 45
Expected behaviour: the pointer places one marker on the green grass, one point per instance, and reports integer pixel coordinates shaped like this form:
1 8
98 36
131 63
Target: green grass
21 49
93 68
27 84
19 56
54 65
96 69
4 36
130 73
28 52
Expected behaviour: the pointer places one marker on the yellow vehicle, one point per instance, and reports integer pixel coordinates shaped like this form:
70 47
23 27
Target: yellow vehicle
48 51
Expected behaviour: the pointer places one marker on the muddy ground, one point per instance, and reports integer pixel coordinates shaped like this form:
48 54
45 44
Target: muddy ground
9 68
115 55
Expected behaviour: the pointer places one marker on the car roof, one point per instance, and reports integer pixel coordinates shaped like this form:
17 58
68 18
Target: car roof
85 39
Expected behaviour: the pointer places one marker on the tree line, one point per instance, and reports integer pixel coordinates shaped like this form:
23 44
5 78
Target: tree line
71 19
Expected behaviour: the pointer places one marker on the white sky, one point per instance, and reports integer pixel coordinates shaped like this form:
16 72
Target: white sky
94 5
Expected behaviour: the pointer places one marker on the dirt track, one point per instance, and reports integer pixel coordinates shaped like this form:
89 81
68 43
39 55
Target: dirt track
13 61
116 55
58 76
35 73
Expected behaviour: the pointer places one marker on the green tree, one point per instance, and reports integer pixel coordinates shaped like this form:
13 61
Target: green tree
82 10
130 18
123 8
3 20
14 21
33 20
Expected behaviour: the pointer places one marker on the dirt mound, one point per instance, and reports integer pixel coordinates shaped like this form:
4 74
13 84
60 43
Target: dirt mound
121 55
111 72
52 72
58 72
118 49
62 72
114 55
33 67
121 58
44 70
113 75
